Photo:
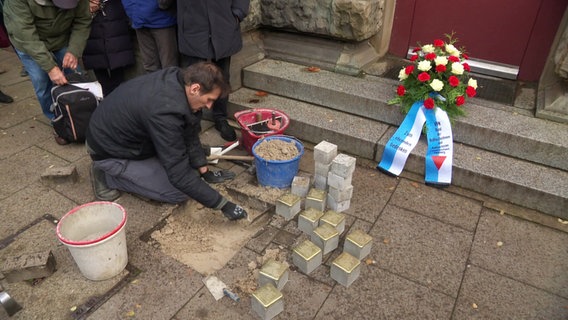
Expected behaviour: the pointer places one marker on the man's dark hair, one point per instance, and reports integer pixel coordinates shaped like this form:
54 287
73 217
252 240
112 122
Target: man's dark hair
208 76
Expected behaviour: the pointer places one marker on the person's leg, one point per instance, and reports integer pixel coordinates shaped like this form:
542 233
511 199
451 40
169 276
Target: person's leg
40 81
109 79
220 105
143 177
148 50
166 41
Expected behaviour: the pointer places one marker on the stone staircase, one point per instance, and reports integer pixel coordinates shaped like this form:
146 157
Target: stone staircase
497 152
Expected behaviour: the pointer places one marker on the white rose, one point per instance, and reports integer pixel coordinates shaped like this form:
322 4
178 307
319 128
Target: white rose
427 48
457 68
452 50
402 74
441 60
424 65
437 85
472 83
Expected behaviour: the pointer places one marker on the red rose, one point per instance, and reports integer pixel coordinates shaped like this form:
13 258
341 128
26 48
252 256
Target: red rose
460 100
400 90
465 56
466 67
470 91
409 69
424 76
454 81
439 43
414 57
430 56
416 49
454 59
440 68
429 103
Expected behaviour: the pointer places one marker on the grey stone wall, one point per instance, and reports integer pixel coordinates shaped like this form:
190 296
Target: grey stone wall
348 20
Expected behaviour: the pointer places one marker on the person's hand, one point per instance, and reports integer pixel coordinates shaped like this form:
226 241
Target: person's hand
233 211
70 61
57 76
94 6
218 176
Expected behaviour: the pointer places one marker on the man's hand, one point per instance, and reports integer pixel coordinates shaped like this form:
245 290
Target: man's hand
218 176
57 76
234 211
70 61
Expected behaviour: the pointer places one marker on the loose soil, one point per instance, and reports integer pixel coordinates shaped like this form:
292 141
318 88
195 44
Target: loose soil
202 238
276 150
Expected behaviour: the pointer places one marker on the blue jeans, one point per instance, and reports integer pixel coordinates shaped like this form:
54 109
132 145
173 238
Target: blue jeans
40 79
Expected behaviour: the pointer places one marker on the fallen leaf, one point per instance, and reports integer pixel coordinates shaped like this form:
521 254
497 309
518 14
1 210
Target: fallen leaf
502 212
499 243
130 313
386 241
477 158
390 188
261 94
254 101
370 261
562 221
474 305
134 281
313 69
73 308
415 185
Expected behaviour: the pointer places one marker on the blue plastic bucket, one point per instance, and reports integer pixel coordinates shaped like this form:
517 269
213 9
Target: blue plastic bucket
277 173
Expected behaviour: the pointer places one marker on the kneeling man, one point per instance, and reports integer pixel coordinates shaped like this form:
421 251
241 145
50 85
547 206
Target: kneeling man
144 139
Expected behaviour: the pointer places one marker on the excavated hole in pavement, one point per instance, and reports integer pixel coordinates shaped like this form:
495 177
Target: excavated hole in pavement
204 239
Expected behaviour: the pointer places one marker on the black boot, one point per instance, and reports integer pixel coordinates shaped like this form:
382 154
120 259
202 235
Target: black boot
100 187
227 132
4 98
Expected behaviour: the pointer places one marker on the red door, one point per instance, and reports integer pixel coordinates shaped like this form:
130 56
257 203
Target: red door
511 32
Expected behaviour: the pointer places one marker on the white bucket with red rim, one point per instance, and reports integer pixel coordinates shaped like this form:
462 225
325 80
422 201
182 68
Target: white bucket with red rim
94 234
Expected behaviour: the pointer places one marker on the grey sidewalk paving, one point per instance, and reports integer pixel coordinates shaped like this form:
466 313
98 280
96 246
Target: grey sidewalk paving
437 253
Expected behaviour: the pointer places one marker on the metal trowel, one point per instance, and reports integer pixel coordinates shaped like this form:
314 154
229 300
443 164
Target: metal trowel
219 289
9 304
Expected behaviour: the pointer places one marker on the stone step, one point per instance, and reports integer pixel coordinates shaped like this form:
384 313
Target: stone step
492 128
503 177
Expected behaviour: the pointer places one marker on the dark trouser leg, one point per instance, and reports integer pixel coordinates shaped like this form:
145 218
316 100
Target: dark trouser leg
147 178
109 79
148 50
220 106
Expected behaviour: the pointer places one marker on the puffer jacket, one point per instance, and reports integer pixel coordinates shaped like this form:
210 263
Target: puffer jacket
149 116
147 14
109 45
210 29
39 29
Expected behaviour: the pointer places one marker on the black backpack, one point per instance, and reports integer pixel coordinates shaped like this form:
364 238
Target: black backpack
73 107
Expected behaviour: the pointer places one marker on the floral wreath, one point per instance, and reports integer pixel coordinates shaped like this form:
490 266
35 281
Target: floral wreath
438 72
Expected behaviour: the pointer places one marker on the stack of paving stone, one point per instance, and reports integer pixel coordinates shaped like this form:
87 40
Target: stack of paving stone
267 301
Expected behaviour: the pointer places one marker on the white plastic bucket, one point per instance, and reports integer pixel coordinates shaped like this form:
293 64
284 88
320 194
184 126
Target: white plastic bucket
94 234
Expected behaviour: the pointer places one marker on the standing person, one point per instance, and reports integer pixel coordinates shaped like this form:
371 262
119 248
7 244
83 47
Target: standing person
144 139
4 98
155 32
48 37
210 30
109 47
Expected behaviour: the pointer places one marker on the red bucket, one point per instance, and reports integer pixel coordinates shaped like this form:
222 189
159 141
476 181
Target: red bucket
253 123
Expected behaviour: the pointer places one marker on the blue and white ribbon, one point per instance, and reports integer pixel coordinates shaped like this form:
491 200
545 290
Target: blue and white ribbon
439 155
403 141
440 147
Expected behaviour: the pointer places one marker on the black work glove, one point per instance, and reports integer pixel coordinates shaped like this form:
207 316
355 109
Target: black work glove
218 176
233 211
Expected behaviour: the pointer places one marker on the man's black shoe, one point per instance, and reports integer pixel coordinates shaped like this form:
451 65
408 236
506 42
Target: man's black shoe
102 191
227 132
4 98
218 176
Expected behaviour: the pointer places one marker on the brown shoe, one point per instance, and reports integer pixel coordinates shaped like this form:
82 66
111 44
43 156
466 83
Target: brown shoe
60 141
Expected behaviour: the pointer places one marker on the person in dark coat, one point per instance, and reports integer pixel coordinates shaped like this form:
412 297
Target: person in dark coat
210 30
109 48
144 139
